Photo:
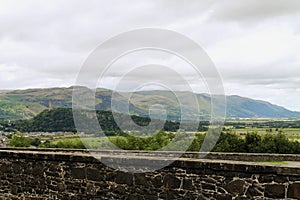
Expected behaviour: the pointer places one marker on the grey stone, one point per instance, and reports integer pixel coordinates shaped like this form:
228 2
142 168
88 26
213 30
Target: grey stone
61 187
78 173
209 180
274 191
223 197
208 186
188 184
236 187
140 179
171 181
93 174
254 191
294 191
124 178
4 168
157 181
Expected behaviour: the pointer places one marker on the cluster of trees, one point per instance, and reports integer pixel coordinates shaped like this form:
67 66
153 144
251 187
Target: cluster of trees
56 120
65 144
61 119
263 124
129 142
255 143
19 140
227 142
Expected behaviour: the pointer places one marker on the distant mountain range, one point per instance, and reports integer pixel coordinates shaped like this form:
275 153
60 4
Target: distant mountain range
24 104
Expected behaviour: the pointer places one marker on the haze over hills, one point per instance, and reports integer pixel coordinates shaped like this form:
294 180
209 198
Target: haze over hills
22 104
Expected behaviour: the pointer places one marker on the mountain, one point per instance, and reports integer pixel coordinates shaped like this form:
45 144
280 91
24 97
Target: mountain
248 108
24 104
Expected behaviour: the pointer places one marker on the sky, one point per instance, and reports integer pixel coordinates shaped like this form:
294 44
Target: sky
253 44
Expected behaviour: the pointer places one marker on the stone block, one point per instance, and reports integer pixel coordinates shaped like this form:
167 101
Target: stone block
294 191
78 173
124 178
171 181
140 179
208 186
157 181
93 174
188 184
254 191
275 191
236 187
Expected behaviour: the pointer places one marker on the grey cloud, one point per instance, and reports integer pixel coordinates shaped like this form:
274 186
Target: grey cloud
44 44
239 10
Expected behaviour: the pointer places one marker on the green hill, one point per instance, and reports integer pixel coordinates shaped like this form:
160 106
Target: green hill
25 104
61 119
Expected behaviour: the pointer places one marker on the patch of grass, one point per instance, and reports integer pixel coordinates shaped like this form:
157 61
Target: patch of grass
276 162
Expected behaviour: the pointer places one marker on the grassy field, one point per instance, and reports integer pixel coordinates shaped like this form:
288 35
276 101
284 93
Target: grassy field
292 133
104 143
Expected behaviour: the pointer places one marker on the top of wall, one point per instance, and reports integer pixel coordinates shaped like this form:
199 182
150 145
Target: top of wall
231 162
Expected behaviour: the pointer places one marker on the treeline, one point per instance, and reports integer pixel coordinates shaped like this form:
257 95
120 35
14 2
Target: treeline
227 142
255 143
279 124
19 140
61 119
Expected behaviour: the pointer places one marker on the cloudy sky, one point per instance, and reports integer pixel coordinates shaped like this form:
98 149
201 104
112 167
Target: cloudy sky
254 44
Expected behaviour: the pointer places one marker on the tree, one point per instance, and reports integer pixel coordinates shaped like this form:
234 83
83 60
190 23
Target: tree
19 140
35 142
252 142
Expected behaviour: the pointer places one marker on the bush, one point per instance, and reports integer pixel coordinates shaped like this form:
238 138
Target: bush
19 140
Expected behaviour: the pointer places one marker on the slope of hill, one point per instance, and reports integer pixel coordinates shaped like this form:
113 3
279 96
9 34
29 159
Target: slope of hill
248 108
24 104
61 119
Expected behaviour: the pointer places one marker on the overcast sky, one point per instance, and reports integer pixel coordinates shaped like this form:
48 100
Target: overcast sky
254 44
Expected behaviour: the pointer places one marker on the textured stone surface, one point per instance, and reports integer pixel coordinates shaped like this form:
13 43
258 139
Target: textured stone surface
171 181
236 187
64 175
294 191
275 191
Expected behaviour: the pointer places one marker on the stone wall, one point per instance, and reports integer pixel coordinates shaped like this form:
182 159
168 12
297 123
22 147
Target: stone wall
77 175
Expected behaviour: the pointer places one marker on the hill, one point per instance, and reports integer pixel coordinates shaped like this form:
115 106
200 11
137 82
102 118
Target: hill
25 104
61 119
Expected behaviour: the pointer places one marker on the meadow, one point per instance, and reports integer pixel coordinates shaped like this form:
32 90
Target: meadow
292 134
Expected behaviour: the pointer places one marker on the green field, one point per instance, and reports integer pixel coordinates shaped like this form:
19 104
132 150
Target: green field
291 133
